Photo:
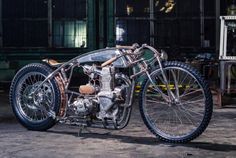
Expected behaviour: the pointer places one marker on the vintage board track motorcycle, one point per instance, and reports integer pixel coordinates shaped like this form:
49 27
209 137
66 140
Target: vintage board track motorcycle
175 101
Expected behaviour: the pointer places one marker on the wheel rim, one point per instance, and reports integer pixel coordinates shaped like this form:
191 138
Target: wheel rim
179 118
28 105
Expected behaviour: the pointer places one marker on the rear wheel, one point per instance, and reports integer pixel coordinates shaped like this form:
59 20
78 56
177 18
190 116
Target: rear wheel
180 118
32 110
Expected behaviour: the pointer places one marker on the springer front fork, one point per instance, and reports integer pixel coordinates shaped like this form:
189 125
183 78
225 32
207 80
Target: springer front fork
170 97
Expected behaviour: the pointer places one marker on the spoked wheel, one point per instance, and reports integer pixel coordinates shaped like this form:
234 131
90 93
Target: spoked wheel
33 109
177 111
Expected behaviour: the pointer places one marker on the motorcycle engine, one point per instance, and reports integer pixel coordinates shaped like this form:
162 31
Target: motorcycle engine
82 106
109 94
105 92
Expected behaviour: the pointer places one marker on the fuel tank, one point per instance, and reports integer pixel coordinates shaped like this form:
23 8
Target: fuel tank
103 55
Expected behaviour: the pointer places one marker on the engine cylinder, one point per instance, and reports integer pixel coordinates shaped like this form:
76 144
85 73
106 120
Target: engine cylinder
107 79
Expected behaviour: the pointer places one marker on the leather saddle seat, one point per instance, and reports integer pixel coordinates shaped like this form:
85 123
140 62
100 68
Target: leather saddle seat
52 62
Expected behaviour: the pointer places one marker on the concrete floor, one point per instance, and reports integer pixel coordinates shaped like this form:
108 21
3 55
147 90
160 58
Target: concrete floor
218 141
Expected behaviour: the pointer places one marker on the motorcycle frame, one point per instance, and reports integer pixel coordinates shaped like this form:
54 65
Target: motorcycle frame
127 51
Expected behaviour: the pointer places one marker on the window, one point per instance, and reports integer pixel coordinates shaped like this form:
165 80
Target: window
132 22
24 23
70 34
70 23
182 28
128 33
132 8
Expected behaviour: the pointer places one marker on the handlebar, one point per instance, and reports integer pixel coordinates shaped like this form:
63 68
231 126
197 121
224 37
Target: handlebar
133 47
136 51
136 48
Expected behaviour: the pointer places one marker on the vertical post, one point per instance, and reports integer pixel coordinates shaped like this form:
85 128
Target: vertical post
91 24
1 41
217 25
222 76
225 38
101 23
202 23
222 38
49 23
110 23
152 26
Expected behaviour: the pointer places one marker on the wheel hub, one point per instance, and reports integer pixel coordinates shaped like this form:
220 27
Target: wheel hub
38 98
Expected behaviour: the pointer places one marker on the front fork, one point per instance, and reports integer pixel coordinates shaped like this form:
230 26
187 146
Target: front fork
170 97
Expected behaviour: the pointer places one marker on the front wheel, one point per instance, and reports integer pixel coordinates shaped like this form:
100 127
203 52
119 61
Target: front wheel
180 109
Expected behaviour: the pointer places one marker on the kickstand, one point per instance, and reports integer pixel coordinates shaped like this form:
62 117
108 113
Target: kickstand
81 128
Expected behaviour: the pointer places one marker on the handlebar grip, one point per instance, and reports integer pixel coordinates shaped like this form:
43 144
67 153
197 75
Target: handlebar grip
108 62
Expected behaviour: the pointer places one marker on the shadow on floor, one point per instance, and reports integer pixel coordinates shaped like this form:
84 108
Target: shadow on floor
150 141
209 146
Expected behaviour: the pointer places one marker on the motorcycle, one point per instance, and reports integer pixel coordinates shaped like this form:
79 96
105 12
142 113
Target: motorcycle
175 101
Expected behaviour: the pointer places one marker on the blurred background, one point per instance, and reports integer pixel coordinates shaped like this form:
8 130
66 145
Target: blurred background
31 30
